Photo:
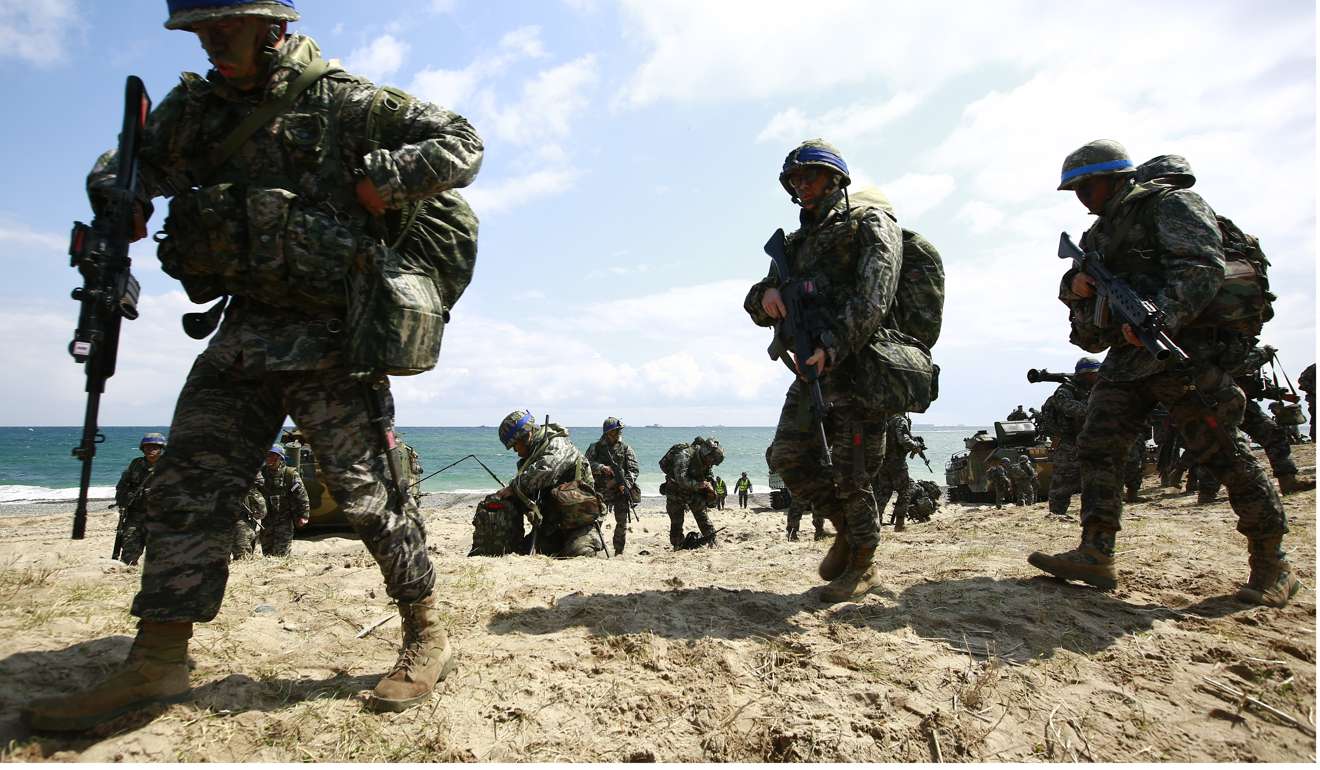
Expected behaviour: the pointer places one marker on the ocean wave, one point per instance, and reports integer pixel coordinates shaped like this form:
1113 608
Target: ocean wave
19 493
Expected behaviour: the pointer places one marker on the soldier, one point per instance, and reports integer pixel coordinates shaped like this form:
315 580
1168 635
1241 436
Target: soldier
620 494
689 485
1065 412
892 478
721 492
1001 486
287 506
1018 414
1306 382
1136 457
857 249
130 497
1023 475
924 500
247 522
744 488
1169 245
554 485
416 471
316 184
795 510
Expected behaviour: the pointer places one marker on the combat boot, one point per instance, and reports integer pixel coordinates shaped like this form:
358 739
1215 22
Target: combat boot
1132 495
1271 583
836 559
820 532
793 535
1086 563
857 579
1204 497
156 671
1292 483
424 659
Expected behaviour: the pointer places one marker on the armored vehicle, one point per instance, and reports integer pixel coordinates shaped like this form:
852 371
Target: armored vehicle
780 498
964 474
324 512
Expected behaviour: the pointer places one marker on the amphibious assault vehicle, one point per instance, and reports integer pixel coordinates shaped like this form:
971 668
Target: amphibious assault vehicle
964 474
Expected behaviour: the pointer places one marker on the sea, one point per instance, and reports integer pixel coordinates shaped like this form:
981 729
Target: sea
37 465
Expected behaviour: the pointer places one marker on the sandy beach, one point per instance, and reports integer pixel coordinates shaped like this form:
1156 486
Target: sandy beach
725 654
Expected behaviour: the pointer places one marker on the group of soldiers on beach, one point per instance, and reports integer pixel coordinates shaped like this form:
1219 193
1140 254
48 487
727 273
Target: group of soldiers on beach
862 356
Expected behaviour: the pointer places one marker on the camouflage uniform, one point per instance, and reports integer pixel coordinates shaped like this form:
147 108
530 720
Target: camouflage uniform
130 496
1173 255
279 350
286 506
1066 410
683 492
1306 382
1023 476
1000 485
1018 414
553 460
247 523
924 500
893 478
1136 457
857 272
796 508
602 455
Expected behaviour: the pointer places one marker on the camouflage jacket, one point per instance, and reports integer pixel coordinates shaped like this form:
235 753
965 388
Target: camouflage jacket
132 483
1178 264
1065 411
898 443
690 471
854 257
602 455
552 460
253 508
291 185
286 497
1306 381
997 476
1021 471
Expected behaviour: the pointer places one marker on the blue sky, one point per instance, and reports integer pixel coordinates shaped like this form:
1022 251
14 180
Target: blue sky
632 150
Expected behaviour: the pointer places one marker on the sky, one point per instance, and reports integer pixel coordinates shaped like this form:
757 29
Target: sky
630 180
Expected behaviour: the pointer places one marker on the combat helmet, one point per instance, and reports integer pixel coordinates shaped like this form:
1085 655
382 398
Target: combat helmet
1099 158
710 449
814 152
148 439
519 422
1086 364
185 13
276 449
611 423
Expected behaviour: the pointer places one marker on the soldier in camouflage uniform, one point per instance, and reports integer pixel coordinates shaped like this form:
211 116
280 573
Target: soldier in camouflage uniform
287 506
605 454
1136 457
131 499
247 522
1023 475
1018 414
1168 244
796 508
1065 412
924 500
547 460
1306 382
893 478
690 486
854 254
277 223
1001 486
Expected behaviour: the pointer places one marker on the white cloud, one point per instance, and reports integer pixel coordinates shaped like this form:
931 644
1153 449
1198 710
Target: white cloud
510 193
915 194
36 31
841 124
453 88
17 236
547 105
379 59
980 216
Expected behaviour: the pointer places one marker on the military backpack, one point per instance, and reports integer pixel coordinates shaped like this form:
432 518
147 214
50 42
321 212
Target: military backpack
497 528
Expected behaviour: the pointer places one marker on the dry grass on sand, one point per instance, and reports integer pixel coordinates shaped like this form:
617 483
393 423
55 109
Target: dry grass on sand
966 653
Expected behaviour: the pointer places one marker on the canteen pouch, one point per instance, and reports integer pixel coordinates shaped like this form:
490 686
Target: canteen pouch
396 316
578 504
204 240
894 373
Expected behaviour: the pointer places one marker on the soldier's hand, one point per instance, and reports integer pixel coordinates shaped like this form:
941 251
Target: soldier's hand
302 521
607 471
1130 335
817 360
1083 285
505 493
773 304
369 197
139 222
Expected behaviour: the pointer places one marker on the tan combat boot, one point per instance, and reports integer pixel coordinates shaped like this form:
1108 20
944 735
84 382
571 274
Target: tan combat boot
156 671
836 559
1292 483
1271 583
1086 563
424 659
857 579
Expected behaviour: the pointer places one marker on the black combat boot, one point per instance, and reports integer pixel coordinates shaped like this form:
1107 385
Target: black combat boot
1291 483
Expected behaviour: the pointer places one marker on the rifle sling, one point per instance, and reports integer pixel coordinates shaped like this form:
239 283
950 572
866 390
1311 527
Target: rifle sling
265 113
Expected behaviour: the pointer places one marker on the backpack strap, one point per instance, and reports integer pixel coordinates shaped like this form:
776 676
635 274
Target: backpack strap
384 104
265 113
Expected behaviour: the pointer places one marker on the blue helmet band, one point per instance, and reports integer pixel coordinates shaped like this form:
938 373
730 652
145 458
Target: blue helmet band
517 426
175 6
817 155
1109 165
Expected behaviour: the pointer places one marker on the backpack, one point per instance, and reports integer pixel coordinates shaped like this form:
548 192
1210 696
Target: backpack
667 461
1244 302
497 528
918 308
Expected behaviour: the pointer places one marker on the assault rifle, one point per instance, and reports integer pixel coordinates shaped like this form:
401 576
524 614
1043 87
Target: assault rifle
1146 320
621 479
921 452
693 541
1045 375
800 332
109 292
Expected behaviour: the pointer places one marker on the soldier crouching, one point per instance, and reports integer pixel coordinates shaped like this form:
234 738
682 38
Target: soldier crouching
554 487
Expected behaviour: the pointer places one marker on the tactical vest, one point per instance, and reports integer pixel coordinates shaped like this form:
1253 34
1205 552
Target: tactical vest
276 488
138 474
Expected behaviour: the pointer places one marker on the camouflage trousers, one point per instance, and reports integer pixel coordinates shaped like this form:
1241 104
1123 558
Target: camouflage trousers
677 507
245 539
897 483
1262 429
857 441
223 425
1024 491
1132 465
1116 415
277 535
1066 478
1002 489
133 525
622 509
795 511
568 543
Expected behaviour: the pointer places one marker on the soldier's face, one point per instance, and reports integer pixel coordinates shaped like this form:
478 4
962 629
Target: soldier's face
1094 193
522 446
272 460
614 435
234 45
152 452
810 183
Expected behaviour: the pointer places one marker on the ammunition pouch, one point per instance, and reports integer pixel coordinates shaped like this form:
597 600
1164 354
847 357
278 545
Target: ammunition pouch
396 315
894 373
578 504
